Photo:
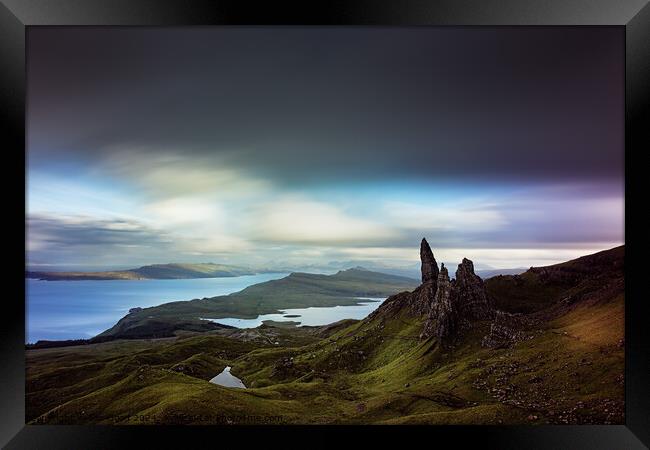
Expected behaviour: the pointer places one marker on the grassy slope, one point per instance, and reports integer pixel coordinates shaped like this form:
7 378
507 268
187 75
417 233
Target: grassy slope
538 288
397 379
523 293
298 290
62 375
569 369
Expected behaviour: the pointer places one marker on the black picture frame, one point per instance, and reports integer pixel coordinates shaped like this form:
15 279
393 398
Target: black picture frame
17 15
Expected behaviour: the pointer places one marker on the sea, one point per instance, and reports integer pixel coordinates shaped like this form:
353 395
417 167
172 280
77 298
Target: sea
61 310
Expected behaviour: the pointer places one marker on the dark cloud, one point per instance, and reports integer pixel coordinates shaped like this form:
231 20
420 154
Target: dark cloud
310 105
64 240
92 232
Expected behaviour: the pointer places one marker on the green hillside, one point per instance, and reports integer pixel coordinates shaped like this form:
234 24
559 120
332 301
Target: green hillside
298 290
540 287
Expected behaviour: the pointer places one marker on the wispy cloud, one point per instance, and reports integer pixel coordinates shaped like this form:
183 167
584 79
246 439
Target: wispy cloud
464 214
162 173
299 220
277 225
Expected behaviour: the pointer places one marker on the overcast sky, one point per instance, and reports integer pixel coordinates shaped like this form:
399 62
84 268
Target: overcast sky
302 146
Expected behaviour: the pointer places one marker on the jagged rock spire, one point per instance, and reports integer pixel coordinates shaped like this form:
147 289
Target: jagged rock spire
470 293
442 320
429 264
444 307
450 306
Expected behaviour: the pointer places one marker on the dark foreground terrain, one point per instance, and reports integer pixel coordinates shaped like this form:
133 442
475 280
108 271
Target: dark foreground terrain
545 346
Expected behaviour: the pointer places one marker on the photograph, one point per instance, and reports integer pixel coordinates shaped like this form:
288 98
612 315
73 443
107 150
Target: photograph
325 225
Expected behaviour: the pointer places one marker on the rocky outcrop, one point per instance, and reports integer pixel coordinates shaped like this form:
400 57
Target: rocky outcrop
449 306
429 264
396 303
470 295
421 299
457 304
442 321
416 303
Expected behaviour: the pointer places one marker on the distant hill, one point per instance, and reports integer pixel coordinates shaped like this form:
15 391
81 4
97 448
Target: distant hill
297 290
179 271
172 271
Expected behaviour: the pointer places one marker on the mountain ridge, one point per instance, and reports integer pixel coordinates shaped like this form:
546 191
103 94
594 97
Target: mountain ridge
166 271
